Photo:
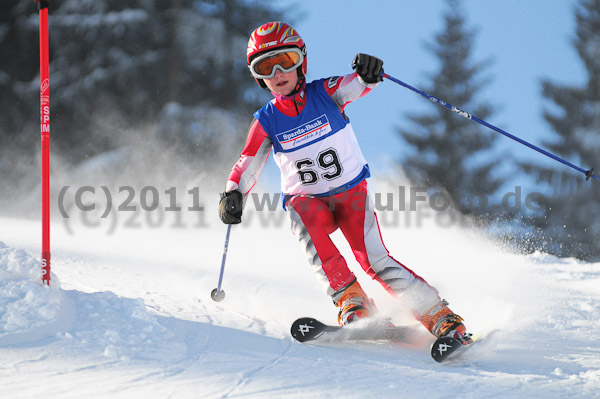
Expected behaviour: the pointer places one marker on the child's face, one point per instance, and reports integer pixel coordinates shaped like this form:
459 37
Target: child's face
283 83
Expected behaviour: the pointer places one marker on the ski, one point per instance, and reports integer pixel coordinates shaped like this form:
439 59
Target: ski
307 329
447 348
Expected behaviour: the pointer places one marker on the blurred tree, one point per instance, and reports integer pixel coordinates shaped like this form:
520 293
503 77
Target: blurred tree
19 66
127 61
572 217
452 152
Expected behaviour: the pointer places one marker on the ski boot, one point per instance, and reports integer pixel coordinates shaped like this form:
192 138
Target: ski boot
442 322
353 304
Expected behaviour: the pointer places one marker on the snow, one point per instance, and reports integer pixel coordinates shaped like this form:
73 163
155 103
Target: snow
131 317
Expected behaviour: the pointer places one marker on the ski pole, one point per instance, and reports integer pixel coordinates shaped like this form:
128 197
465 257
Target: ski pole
45 138
588 173
217 294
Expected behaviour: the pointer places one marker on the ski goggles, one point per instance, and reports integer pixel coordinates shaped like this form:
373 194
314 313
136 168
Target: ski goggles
285 59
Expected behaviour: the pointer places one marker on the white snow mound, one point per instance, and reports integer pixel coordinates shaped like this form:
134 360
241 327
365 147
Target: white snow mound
28 310
115 327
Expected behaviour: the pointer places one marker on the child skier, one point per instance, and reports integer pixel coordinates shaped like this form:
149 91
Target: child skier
323 177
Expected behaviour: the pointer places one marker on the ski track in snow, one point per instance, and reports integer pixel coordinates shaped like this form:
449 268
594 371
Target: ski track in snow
129 315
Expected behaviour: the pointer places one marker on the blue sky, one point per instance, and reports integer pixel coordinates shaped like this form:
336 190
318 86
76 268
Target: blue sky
526 40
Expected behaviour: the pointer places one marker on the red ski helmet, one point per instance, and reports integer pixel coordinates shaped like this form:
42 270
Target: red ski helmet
272 36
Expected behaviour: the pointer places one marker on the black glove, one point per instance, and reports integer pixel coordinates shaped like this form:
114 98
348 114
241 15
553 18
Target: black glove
369 68
230 207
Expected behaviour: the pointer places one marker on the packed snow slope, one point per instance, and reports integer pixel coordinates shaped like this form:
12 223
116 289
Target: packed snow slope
129 315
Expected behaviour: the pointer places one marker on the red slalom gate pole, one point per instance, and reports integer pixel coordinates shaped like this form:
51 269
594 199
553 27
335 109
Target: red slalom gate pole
45 132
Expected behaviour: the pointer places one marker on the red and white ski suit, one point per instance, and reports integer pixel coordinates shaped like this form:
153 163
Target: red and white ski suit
317 210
